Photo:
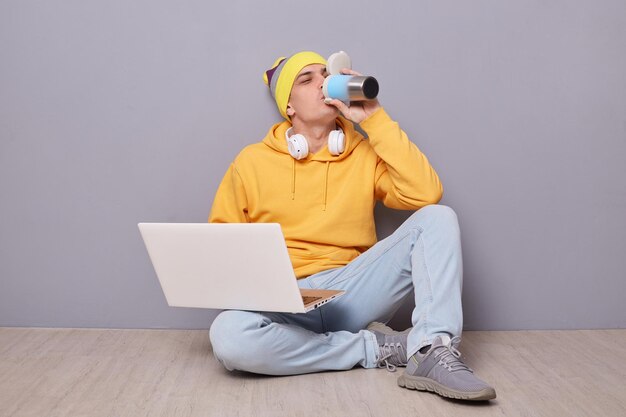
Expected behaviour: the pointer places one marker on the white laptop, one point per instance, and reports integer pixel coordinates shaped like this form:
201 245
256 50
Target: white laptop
240 266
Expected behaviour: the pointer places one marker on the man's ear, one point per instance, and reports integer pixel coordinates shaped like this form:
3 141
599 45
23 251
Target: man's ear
290 110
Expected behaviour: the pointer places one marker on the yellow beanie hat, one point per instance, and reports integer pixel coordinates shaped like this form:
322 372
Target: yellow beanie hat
281 76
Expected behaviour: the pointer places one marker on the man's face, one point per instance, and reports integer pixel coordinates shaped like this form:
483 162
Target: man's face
306 102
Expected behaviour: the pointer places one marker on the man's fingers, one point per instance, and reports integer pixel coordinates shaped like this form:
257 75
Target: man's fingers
350 72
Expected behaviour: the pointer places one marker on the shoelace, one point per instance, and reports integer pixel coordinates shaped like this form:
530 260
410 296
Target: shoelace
449 356
393 355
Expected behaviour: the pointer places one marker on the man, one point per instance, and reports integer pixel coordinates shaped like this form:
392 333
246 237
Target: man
324 199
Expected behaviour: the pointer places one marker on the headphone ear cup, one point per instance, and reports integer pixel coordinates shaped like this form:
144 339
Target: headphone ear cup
336 142
298 146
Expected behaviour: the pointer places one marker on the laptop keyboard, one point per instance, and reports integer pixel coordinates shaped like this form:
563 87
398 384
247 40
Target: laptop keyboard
308 299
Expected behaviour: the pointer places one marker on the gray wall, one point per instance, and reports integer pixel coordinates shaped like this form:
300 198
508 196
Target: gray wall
116 112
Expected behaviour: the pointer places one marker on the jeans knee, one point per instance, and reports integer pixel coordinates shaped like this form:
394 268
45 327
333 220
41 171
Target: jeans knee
227 335
438 209
439 213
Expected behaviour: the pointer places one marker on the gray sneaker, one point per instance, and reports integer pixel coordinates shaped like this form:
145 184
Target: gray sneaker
440 370
391 345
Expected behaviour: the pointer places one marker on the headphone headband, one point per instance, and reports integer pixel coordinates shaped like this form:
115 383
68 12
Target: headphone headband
299 147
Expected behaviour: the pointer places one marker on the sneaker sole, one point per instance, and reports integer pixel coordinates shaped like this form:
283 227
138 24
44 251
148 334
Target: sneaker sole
426 384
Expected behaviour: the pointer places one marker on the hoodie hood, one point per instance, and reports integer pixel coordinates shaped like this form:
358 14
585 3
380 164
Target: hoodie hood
276 140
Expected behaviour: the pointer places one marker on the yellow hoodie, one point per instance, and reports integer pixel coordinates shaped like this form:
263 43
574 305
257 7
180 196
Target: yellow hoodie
325 203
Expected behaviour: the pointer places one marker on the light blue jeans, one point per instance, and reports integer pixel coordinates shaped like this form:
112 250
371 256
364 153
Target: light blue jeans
423 254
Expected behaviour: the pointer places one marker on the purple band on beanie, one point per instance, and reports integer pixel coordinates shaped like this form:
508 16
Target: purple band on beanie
270 72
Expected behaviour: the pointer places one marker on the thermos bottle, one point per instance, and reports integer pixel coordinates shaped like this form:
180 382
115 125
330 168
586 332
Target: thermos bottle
347 87
350 87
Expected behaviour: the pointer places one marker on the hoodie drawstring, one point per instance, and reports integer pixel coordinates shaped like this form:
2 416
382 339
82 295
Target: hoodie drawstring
326 184
293 178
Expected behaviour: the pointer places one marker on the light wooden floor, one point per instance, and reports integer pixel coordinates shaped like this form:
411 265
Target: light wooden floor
83 372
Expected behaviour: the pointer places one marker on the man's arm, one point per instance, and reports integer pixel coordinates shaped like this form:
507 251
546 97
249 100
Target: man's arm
230 204
404 177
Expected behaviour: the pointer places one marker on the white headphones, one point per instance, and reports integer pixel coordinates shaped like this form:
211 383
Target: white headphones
299 147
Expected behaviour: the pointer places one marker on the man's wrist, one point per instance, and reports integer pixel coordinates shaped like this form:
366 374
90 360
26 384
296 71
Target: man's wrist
375 118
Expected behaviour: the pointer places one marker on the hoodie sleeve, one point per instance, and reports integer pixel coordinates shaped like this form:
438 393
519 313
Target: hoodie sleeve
230 204
404 177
